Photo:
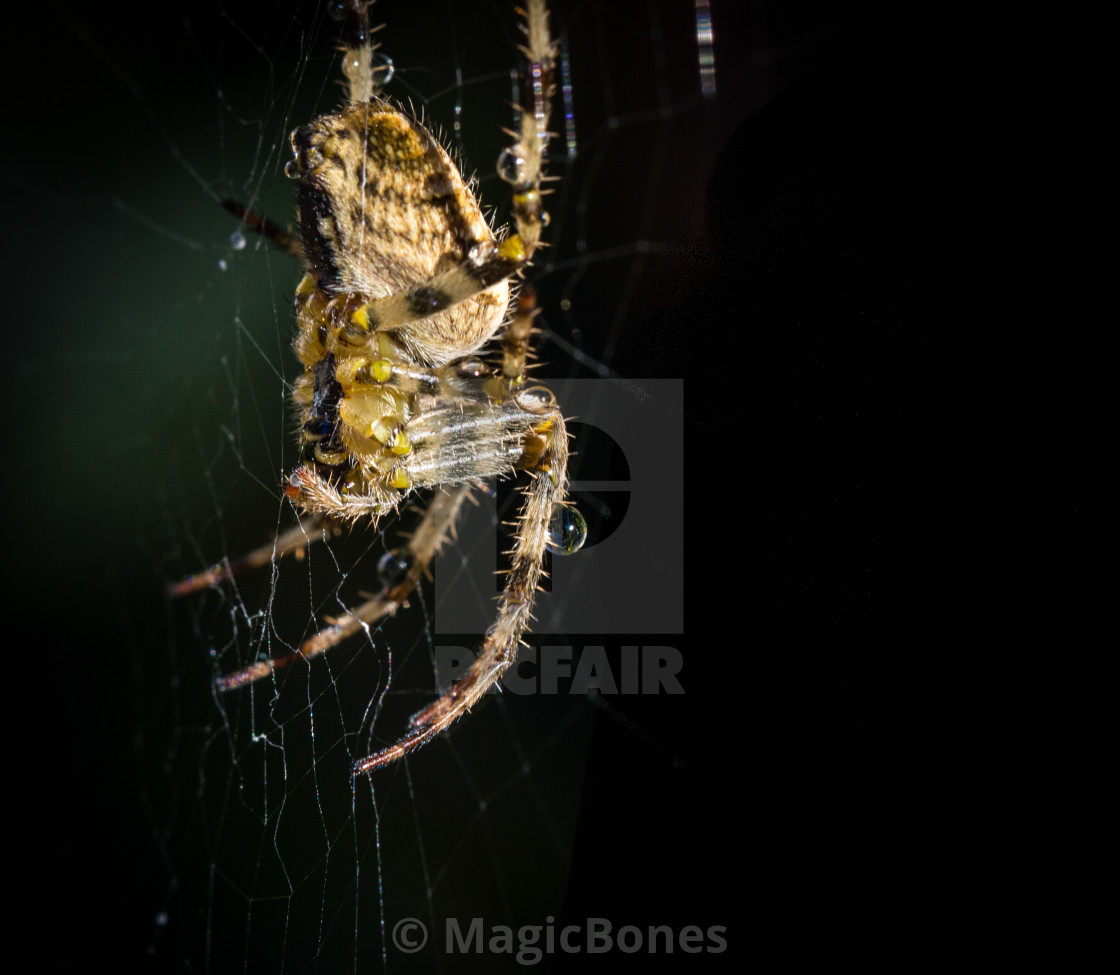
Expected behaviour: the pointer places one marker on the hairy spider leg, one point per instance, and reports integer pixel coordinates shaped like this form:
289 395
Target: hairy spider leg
503 639
294 540
522 164
457 439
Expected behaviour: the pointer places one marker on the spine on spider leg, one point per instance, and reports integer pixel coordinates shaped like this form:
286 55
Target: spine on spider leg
522 164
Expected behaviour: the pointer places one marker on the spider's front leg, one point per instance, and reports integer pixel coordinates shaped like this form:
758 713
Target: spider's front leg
541 525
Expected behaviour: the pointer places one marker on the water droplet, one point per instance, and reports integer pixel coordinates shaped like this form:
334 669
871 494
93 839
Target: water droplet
222 265
536 398
291 169
161 919
511 165
237 240
471 368
567 531
392 568
336 11
383 68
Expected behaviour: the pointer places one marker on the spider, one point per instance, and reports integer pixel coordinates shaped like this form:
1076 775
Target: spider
405 281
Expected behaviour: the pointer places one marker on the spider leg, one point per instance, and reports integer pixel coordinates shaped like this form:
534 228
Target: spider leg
522 164
457 439
312 491
265 227
293 540
467 440
518 333
357 50
515 607
429 536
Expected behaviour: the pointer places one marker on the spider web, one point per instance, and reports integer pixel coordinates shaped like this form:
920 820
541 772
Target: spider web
243 840
303 866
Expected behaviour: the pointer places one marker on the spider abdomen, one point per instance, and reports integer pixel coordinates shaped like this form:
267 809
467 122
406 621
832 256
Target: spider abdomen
383 209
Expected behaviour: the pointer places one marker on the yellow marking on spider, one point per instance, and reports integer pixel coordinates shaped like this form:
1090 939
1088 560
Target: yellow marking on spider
330 457
513 248
401 445
400 480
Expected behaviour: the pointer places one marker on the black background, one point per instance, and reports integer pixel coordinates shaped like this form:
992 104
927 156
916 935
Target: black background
824 786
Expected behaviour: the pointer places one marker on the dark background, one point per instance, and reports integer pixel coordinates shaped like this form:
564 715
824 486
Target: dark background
824 785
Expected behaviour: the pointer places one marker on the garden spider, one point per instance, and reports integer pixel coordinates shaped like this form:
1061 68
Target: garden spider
405 281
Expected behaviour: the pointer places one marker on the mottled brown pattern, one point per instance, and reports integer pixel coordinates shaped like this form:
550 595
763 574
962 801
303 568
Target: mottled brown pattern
393 210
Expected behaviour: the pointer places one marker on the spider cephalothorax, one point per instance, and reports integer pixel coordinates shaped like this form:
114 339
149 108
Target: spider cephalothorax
405 281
